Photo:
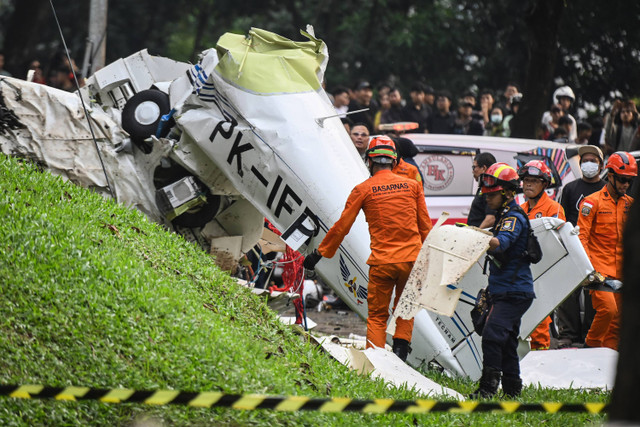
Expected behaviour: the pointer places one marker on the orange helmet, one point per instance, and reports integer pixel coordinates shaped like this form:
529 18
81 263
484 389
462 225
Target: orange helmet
499 177
622 163
381 149
536 169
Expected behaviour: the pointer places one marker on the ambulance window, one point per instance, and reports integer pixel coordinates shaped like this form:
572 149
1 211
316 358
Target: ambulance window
446 171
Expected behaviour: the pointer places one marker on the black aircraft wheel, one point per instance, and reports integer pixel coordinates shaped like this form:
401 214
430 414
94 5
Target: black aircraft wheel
141 115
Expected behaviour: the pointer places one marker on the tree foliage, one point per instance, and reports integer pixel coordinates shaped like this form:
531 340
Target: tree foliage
453 44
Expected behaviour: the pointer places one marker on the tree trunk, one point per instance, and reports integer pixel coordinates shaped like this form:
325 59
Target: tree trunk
543 22
624 405
22 34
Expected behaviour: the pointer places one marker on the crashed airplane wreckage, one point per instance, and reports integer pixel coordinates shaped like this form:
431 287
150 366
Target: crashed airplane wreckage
212 149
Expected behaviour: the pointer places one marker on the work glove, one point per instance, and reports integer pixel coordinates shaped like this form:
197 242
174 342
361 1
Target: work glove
312 259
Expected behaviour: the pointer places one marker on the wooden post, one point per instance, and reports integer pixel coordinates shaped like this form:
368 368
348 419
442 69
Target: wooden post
94 56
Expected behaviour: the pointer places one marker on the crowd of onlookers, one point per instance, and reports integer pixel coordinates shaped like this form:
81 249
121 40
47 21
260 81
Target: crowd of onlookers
487 113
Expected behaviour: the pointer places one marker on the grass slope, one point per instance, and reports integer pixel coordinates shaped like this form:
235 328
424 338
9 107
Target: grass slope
95 295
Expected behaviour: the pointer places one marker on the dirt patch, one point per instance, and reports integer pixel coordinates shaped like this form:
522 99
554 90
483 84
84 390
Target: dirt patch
341 323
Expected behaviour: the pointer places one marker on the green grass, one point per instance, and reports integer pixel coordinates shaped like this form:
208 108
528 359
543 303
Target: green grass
93 294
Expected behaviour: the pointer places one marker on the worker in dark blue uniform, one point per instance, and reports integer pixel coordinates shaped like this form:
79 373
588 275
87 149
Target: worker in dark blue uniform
510 284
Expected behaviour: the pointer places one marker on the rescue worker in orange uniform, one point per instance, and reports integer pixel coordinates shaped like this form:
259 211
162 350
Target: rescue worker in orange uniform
601 220
395 210
536 177
407 169
406 165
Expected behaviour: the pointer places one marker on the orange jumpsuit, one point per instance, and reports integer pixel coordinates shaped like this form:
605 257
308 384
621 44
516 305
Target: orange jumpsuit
601 221
540 339
398 220
407 169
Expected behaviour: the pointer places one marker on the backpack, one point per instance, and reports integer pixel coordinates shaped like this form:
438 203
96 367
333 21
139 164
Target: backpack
480 311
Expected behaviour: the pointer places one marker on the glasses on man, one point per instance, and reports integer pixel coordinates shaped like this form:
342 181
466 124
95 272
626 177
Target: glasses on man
359 134
624 179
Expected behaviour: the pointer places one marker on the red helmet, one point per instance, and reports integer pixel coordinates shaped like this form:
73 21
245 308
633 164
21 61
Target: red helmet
622 163
381 149
499 177
536 169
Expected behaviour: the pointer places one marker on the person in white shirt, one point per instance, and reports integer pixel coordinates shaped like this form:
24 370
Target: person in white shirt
341 100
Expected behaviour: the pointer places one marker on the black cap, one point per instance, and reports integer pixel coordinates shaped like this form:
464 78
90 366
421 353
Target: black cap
444 93
364 85
405 147
417 87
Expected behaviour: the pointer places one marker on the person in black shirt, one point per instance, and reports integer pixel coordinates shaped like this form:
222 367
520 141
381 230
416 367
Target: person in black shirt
572 327
465 123
363 99
442 120
591 164
480 215
417 110
395 113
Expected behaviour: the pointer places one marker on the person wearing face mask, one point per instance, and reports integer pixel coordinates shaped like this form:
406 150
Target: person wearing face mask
495 126
601 220
572 326
591 164
536 177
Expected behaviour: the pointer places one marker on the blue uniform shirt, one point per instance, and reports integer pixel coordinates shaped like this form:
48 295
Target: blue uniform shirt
514 273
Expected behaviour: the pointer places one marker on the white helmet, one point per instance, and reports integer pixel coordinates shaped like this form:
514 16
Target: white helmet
563 91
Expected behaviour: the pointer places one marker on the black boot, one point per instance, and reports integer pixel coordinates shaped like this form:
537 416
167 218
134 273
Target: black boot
489 383
511 386
401 348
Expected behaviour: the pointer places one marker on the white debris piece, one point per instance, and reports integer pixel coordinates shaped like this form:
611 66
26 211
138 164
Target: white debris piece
382 363
386 365
573 368
447 254
291 320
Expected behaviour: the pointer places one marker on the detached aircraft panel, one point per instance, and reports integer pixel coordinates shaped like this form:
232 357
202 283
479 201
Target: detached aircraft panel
554 284
564 266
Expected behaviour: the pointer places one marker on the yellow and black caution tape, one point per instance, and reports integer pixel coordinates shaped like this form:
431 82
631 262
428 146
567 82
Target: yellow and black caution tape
209 399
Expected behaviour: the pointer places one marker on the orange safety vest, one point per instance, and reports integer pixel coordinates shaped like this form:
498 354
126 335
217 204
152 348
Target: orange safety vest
544 208
398 219
601 221
407 169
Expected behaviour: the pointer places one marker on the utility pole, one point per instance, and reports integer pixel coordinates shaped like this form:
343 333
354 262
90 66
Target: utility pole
95 52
